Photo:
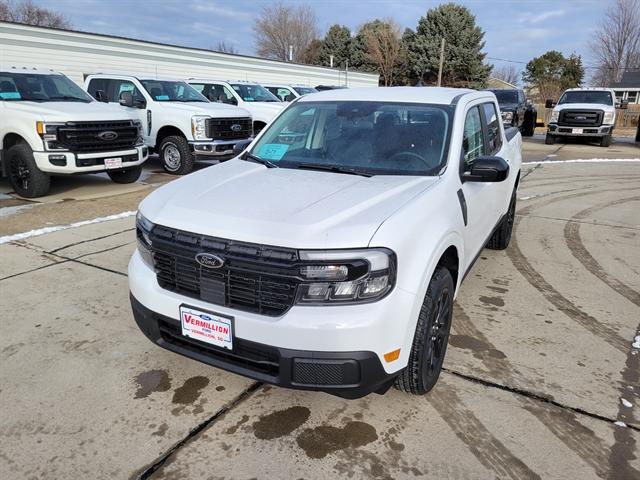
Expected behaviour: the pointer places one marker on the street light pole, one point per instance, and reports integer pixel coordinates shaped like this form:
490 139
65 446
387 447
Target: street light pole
441 62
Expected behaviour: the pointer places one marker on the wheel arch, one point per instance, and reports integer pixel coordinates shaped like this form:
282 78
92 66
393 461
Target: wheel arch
9 140
167 131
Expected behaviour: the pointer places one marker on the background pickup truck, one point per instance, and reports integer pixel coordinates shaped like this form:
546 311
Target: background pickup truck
50 126
178 122
340 271
516 110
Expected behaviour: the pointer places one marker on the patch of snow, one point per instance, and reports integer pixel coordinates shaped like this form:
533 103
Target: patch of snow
57 228
636 342
586 160
6 211
620 424
626 403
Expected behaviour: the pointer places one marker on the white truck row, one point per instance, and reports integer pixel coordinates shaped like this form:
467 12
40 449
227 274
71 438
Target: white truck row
51 126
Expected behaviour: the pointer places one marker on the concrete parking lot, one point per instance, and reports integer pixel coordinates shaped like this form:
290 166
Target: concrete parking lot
541 380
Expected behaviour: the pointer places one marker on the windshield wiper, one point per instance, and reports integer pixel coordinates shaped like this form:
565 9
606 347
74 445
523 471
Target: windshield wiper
334 168
263 161
69 98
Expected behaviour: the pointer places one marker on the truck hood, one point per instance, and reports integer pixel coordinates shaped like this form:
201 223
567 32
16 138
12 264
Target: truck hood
584 106
216 110
245 201
71 111
265 111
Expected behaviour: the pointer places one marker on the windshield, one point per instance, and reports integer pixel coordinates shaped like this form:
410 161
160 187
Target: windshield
601 97
254 93
40 88
506 96
368 137
305 90
169 91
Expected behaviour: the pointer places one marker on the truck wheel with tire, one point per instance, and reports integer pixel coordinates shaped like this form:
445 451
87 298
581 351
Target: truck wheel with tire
24 175
127 175
549 139
502 235
431 336
176 155
605 141
529 125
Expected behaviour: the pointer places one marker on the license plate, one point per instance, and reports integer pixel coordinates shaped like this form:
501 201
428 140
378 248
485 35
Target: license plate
576 130
207 327
113 162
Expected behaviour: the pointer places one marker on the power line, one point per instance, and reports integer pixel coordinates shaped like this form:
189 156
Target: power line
630 69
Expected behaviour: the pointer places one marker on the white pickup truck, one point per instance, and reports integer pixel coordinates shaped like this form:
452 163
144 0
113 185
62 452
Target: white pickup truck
583 112
288 93
328 254
178 123
50 126
257 100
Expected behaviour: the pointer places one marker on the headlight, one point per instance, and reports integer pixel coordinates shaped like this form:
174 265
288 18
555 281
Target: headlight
554 117
49 134
198 128
346 276
143 230
139 138
609 118
507 117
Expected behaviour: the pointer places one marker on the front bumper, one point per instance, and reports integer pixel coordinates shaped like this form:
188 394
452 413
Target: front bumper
570 131
214 149
345 374
60 162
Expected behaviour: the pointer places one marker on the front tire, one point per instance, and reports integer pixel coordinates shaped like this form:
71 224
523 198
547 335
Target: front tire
605 141
549 139
24 175
502 235
431 336
128 175
176 155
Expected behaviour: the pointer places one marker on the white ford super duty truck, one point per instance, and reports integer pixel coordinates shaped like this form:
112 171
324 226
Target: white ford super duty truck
50 126
178 123
583 112
328 254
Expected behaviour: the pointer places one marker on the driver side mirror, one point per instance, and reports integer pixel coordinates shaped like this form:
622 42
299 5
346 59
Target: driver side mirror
549 103
232 101
487 169
240 147
101 96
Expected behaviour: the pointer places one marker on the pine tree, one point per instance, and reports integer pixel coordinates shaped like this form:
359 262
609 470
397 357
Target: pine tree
337 42
463 57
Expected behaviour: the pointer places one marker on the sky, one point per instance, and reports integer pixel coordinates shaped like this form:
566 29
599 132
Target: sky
516 30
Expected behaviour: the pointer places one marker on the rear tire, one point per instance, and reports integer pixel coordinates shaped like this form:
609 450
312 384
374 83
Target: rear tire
502 235
549 139
176 155
128 175
605 141
431 337
24 175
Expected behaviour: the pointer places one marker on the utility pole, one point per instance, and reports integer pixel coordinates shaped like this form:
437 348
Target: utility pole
291 53
331 61
346 74
441 62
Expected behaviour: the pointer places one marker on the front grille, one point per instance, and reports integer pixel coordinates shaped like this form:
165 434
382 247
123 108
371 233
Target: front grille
228 128
580 118
246 354
84 137
254 278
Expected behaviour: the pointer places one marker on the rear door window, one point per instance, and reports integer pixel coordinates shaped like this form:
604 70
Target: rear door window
473 138
494 139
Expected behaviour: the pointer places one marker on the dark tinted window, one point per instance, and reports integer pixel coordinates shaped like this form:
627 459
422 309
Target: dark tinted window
587 96
506 96
473 138
98 84
494 140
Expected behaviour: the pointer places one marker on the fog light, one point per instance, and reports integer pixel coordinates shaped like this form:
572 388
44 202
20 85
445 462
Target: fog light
317 291
374 285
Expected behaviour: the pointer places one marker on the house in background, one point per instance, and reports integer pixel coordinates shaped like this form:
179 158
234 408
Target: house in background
629 87
497 83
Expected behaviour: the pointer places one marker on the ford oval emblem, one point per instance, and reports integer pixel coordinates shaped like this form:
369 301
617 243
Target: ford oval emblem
107 135
236 127
208 260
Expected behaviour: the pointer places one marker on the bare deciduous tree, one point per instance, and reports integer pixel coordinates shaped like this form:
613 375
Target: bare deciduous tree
385 49
29 13
616 43
506 73
224 47
280 26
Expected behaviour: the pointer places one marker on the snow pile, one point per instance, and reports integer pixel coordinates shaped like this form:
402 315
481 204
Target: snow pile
626 403
636 342
620 424
57 228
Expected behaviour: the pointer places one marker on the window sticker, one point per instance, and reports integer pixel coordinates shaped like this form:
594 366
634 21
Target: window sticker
249 99
162 97
273 151
10 95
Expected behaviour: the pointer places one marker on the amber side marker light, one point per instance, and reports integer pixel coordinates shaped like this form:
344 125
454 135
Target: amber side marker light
391 356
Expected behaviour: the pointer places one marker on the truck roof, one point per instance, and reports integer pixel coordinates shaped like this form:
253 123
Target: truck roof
434 95
595 89
30 71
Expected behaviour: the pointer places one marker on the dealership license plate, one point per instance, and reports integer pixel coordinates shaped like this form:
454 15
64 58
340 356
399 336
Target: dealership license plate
577 130
113 162
207 327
